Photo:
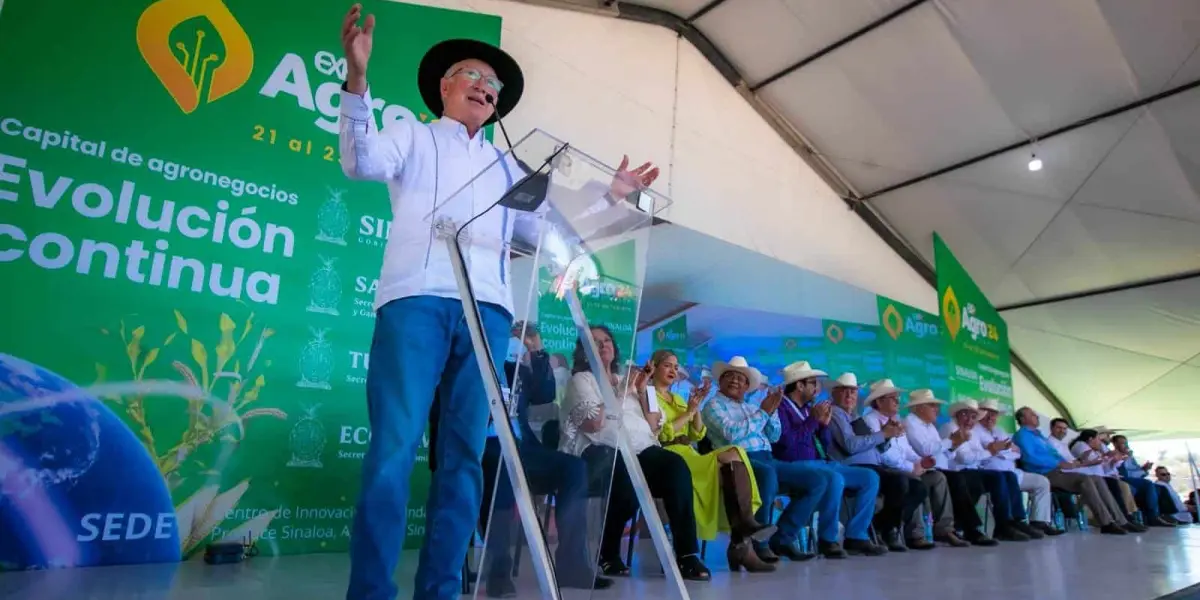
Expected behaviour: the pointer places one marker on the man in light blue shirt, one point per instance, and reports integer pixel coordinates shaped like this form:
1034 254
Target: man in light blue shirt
421 344
1038 456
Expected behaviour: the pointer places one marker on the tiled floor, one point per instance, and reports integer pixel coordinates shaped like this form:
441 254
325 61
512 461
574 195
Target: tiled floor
1078 565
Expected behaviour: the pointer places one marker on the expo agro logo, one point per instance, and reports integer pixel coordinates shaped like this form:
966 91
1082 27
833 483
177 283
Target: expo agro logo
201 53
963 317
835 333
669 337
196 48
895 324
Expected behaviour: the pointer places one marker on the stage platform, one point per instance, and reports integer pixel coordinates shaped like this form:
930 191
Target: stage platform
1077 565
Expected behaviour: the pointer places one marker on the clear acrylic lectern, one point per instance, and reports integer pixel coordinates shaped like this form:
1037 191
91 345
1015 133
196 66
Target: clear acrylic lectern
580 250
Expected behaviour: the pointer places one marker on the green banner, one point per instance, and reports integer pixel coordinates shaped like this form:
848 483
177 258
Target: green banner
172 208
974 335
672 336
914 355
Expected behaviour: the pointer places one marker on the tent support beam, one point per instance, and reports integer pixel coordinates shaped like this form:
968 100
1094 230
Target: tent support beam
704 10
1163 95
1112 289
868 28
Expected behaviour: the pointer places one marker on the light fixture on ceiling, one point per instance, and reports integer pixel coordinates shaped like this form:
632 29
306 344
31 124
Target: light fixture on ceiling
1035 163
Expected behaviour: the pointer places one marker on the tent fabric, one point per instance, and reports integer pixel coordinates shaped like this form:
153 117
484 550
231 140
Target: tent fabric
1116 202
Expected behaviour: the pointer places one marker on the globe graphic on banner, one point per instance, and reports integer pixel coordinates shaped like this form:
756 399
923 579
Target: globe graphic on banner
78 488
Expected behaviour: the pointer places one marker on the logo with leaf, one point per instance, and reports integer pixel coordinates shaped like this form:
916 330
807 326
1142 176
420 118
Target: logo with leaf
834 333
893 323
951 313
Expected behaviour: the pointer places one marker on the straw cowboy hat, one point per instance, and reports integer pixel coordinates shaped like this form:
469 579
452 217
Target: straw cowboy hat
882 388
962 405
443 55
922 396
846 380
799 371
738 364
991 404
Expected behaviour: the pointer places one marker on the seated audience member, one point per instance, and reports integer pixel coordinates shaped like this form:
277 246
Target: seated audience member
854 443
732 421
805 436
965 487
721 479
547 471
1039 456
901 456
1087 447
1112 459
1038 487
966 452
588 434
1144 490
1169 503
1096 465
1192 506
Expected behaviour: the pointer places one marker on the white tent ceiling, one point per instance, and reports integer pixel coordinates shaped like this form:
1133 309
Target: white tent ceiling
886 92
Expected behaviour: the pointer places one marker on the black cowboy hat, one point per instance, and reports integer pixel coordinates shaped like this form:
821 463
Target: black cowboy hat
444 55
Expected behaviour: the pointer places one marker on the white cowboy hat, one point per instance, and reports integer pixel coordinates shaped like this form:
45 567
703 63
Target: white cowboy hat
923 396
705 373
1102 429
682 374
991 404
846 380
962 405
880 388
799 371
738 364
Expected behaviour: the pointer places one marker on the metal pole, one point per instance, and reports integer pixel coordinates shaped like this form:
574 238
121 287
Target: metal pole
658 532
508 443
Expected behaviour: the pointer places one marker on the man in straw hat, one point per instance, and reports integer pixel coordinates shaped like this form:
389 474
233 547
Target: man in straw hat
990 436
901 457
732 421
1039 456
421 341
964 487
856 443
968 453
805 436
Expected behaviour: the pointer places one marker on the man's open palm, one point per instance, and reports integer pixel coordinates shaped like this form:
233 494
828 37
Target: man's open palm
357 41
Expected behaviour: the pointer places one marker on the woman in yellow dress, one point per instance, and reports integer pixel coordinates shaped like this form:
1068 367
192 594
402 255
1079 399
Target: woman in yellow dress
719 478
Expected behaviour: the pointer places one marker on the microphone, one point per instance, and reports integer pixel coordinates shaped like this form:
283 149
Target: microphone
528 193
491 100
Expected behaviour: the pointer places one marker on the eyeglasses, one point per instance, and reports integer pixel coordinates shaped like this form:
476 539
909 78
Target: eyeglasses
475 75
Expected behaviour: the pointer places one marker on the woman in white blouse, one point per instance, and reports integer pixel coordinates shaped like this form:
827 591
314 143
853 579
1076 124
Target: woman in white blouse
588 432
1088 449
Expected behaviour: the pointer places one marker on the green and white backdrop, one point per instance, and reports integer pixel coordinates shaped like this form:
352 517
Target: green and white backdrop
171 208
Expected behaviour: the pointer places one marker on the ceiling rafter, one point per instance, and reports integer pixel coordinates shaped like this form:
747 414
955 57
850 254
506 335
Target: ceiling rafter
869 27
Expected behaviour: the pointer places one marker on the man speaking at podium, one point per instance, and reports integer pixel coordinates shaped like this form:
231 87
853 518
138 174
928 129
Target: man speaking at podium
421 341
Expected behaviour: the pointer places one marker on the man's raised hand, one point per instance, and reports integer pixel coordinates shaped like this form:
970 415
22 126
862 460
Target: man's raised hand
356 44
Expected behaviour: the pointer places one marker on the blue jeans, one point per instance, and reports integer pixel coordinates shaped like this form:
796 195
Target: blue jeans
1005 490
422 344
1146 493
864 484
547 472
811 486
